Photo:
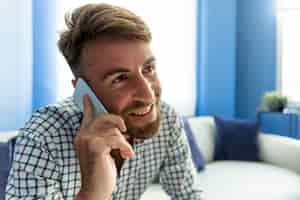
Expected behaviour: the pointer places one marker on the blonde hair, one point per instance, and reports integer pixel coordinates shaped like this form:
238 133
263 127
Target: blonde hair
93 21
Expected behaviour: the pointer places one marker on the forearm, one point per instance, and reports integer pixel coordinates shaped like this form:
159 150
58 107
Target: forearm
90 196
93 184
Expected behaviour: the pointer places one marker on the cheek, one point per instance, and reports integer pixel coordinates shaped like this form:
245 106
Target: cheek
156 86
116 101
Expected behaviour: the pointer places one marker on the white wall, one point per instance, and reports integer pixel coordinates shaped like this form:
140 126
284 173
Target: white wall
16 63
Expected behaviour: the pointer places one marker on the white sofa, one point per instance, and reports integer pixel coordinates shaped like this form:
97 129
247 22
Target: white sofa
277 177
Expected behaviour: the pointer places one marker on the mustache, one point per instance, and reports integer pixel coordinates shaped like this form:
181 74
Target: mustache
137 105
140 104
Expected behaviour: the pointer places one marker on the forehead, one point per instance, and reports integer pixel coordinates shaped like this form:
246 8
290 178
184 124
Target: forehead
104 54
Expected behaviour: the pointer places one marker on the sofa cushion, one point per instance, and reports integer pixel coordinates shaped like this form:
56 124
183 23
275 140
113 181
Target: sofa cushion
236 140
7 141
280 151
204 132
195 151
155 191
236 180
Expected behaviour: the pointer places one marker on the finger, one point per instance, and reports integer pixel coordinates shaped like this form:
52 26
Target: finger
87 111
109 121
98 145
117 141
104 145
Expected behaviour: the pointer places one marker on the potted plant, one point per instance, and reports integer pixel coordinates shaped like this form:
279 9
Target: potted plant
273 101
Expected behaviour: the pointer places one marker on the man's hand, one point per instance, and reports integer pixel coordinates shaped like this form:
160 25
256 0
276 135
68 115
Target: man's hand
93 144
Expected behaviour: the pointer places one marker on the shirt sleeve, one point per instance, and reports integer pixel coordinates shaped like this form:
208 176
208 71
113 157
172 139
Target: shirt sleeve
178 173
34 173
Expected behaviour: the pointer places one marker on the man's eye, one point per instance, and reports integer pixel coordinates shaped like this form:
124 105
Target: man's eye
149 69
120 78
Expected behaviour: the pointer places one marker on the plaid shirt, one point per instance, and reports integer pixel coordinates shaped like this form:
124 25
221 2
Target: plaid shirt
45 164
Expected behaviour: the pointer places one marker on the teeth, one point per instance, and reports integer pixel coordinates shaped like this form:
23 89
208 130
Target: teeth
142 111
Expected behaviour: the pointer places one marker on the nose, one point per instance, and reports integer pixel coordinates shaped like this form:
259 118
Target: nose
143 90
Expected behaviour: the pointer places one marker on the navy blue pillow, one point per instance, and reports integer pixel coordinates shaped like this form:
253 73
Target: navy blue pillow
195 151
236 140
6 156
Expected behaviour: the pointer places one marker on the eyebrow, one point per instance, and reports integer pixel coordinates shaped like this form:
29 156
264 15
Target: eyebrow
150 60
123 70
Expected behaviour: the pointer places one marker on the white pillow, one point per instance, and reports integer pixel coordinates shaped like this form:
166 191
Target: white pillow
204 131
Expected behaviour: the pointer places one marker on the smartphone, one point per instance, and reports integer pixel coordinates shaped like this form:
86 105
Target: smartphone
82 89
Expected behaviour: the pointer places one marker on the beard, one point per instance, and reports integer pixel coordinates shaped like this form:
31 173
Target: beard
150 129
147 131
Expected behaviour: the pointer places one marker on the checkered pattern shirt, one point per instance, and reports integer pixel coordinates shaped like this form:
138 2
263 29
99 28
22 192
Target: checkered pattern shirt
45 164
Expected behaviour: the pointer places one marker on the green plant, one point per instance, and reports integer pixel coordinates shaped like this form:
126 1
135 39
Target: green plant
273 101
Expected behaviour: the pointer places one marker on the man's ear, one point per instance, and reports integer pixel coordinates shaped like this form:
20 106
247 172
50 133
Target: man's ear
74 81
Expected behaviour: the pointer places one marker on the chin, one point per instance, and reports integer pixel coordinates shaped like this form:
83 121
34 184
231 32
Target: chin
145 132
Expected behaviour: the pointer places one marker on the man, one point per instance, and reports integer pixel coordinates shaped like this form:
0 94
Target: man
62 153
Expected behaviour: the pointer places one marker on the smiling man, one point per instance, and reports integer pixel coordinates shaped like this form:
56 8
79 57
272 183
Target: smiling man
63 153
124 76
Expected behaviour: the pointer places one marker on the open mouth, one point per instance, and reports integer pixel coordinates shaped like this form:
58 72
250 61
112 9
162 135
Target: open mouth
140 112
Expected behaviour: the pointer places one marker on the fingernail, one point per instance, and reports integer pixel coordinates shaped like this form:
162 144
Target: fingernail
124 155
127 154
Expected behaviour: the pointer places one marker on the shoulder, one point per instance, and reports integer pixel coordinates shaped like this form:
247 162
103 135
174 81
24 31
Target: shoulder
171 121
49 120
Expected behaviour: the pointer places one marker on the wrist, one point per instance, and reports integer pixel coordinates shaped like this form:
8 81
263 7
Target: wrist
84 195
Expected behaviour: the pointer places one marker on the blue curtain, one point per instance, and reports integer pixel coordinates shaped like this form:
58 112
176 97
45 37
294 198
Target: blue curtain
44 48
256 54
236 56
216 39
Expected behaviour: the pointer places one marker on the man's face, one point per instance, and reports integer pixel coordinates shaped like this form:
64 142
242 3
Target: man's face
122 74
